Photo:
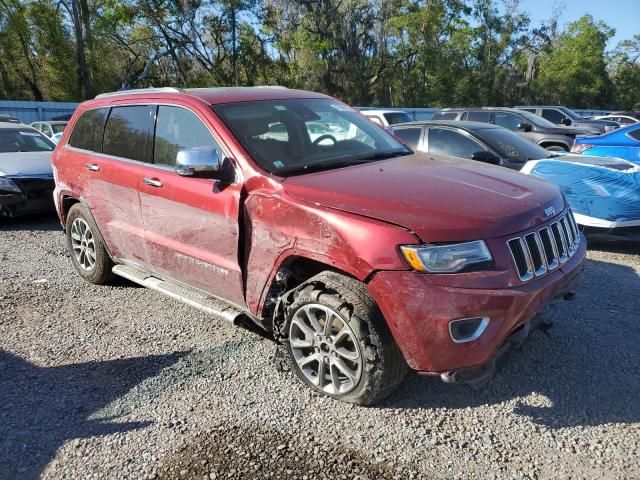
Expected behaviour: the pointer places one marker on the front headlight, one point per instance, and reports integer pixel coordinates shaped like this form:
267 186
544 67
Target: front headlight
446 258
7 185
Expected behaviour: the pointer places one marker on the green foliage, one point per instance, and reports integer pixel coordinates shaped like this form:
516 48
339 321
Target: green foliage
366 52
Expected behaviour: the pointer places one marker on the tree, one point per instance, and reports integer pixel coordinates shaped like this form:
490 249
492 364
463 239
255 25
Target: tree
574 71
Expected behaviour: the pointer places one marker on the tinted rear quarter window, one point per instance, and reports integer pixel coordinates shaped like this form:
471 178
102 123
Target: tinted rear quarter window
179 129
87 133
484 117
129 132
410 136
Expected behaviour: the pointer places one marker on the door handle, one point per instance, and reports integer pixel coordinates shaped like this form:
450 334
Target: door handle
92 166
154 182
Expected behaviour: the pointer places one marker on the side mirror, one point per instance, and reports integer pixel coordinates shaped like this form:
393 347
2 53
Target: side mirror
566 121
525 127
204 162
486 157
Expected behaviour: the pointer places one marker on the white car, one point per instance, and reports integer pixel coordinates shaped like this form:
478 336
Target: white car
51 129
385 117
26 176
621 119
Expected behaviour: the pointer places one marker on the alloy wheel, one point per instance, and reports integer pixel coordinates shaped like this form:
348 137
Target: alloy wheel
325 349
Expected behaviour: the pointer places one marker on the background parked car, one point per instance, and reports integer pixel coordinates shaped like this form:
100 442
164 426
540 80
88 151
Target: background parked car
604 193
385 117
9 119
530 126
619 118
51 129
622 143
565 116
474 141
26 177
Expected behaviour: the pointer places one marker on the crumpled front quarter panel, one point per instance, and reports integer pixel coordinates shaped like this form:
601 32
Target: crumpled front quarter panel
279 227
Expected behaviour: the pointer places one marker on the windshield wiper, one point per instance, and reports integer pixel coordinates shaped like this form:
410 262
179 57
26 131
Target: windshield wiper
337 163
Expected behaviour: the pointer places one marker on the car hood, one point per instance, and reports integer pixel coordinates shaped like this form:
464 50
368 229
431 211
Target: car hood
441 199
24 164
568 131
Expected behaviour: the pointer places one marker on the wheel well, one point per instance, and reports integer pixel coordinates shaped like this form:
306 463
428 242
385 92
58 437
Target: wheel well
293 272
67 203
554 144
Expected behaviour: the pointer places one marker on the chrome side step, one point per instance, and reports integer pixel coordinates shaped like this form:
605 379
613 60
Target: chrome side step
193 298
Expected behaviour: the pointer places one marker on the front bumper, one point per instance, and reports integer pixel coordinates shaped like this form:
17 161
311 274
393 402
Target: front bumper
418 313
36 196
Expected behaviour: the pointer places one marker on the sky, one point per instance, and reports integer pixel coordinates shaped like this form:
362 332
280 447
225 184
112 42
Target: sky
623 15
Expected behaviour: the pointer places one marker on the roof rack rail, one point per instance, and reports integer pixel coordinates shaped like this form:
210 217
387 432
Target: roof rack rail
140 91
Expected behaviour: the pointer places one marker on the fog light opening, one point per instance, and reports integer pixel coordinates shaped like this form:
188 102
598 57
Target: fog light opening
467 329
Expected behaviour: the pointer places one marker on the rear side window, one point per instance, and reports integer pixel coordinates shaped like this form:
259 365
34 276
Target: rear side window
484 117
179 129
87 133
410 136
448 142
508 120
635 134
129 132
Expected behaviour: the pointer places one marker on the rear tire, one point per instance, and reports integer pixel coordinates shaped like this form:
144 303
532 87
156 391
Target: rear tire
353 357
86 247
556 148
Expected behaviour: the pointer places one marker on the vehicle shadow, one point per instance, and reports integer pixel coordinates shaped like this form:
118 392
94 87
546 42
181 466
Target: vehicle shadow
43 407
41 222
586 373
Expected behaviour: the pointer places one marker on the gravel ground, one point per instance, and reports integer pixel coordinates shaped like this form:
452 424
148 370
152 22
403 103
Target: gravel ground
120 382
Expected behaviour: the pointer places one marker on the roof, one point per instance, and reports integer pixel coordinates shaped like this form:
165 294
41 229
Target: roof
380 110
217 95
52 122
13 125
450 123
469 109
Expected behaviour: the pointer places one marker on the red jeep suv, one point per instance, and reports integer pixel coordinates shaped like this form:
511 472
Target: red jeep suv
290 211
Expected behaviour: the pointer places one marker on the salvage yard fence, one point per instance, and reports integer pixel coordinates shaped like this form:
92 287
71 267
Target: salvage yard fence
28 112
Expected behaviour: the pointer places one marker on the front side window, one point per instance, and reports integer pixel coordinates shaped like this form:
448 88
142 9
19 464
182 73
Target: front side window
295 136
410 136
554 116
24 140
448 142
129 132
179 129
87 132
635 134
508 120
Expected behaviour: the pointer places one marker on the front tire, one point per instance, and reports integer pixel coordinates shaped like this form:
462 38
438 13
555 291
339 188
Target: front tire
338 342
86 247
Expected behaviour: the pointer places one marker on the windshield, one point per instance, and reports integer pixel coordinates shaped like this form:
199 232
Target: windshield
397 117
512 145
294 136
537 119
24 140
